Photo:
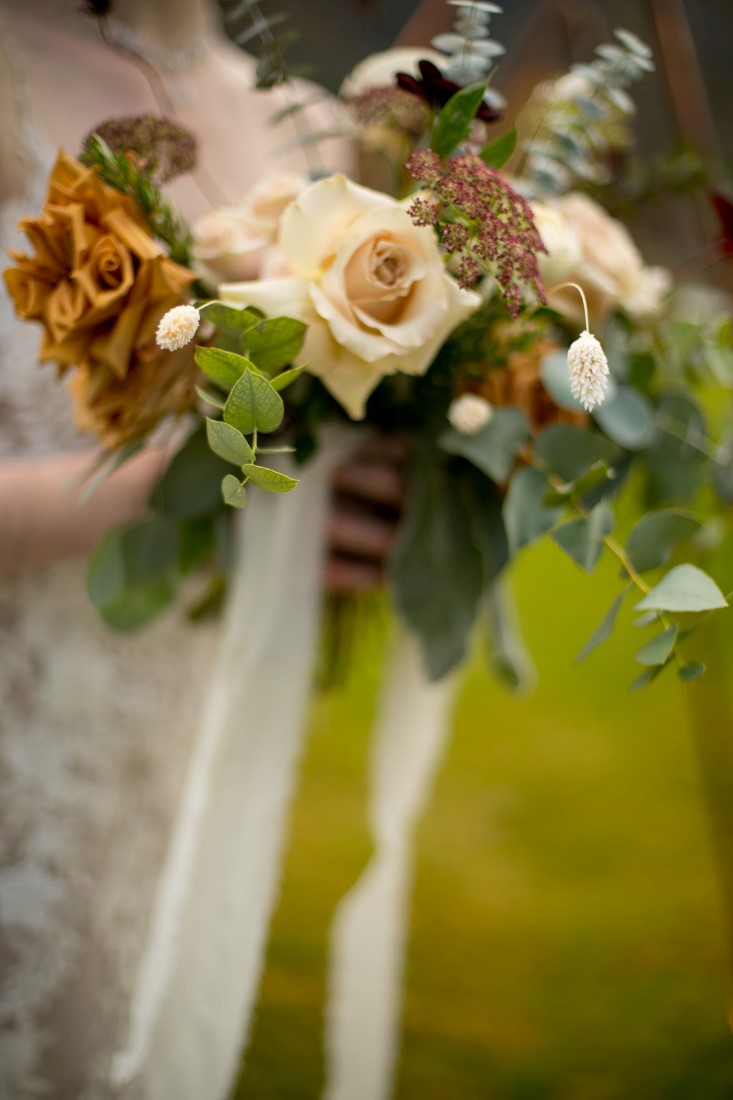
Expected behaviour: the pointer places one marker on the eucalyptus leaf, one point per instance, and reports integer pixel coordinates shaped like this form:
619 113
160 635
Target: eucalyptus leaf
495 447
583 539
453 124
595 476
510 661
190 485
253 405
133 572
568 451
693 670
627 418
685 588
676 466
645 678
228 443
526 516
275 342
229 317
436 568
556 380
498 151
224 368
233 492
484 505
210 398
657 650
603 632
655 536
270 480
281 381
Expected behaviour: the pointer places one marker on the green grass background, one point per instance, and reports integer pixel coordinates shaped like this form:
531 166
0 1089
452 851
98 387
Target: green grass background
567 933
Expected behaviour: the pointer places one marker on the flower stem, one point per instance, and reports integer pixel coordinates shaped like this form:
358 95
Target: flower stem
581 292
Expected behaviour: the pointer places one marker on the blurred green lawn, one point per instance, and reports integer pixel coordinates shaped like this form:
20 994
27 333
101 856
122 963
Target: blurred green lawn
567 937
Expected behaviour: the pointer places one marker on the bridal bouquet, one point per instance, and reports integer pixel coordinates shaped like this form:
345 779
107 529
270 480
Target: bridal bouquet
463 311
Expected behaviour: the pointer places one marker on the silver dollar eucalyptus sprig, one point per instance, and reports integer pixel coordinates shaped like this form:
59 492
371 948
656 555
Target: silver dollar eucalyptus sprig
584 117
471 52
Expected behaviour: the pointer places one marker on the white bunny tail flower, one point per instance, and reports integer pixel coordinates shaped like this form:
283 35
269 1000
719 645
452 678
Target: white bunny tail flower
469 413
588 369
177 327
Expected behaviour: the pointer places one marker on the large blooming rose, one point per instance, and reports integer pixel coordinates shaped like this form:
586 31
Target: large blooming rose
586 245
232 242
98 283
371 286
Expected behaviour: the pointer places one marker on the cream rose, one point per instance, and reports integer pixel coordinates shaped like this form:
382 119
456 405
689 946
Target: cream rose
587 246
230 243
371 286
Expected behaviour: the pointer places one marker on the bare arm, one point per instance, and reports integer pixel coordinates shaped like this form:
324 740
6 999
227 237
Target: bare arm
43 518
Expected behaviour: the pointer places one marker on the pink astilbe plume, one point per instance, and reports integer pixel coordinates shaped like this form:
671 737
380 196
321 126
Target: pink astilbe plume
482 220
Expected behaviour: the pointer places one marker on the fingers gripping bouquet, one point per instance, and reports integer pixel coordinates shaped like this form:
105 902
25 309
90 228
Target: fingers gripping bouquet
446 312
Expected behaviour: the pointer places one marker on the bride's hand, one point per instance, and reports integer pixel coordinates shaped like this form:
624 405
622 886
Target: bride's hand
369 491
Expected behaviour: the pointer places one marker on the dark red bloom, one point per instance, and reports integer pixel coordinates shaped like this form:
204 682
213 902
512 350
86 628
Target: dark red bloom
436 89
724 209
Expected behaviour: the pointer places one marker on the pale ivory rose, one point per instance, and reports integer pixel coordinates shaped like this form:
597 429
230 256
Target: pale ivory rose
586 245
371 286
230 243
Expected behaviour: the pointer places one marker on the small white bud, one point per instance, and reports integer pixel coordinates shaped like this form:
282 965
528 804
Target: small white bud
469 413
177 327
588 369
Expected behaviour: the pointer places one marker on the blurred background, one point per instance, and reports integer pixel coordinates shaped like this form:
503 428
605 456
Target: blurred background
571 915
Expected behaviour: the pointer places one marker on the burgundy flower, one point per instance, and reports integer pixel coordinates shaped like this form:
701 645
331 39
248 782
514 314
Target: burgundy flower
724 209
436 89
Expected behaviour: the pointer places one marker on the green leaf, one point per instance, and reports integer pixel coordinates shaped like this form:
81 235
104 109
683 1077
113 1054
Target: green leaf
645 678
509 659
228 443
597 475
198 540
210 398
582 539
655 536
270 480
254 405
676 466
526 516
132 573
556 380
627 418
275 342
685 588
603 632
453 124
493 449
484 505
498 151
229 317
190 485
280 381
657 650
233 491
436 568
222 367
569 452
693 670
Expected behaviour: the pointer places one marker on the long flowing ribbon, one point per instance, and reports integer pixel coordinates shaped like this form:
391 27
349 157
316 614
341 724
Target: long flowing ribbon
199 975
369 929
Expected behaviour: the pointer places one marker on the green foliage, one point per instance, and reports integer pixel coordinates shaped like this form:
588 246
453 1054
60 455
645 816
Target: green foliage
228 443
583 538
495 447
655 536
132 574
684 588
224 368
233 491
253 405
119 171
497 152
281 381
453 124
659 649
229 318
270 480
436 568
568 452
190 485
526 516
274 342
603 632
627 418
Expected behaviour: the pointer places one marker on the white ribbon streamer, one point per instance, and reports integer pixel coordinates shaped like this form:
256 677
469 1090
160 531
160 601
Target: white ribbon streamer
199 975
369 929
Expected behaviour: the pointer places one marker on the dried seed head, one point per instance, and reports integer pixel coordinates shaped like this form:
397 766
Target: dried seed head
588 369
469 413
177 327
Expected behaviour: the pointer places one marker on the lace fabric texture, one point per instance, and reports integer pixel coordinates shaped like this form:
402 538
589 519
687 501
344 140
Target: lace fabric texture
95 733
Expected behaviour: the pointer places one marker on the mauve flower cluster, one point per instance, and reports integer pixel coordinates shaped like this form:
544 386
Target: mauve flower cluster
157 147
482 220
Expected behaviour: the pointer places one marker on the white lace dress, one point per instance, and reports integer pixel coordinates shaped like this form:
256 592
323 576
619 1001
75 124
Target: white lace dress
95 732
